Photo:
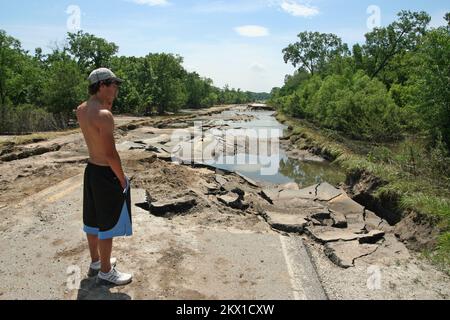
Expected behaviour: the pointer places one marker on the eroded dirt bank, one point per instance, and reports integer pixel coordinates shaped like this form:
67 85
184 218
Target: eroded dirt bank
418 231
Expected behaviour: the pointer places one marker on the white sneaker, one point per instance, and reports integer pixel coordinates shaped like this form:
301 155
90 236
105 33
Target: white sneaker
95 267
114 277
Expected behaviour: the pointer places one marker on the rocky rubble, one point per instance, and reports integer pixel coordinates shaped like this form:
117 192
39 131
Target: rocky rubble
328 216
323 212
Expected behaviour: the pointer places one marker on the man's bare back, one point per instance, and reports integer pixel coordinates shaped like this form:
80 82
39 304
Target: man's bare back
89 117
97 124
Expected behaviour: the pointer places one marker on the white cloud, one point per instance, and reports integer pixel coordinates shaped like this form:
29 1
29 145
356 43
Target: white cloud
152 3
296 8
257 67
228 6
252 31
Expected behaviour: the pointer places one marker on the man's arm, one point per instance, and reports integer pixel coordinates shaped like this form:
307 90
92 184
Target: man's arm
106 127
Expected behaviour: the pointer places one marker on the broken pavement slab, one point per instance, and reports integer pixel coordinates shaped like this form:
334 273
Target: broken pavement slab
75 159
372 237
274 194
165 156
306 193
357 227
286 222
328 234
162 139
128 145
374 222
344 253
343 203
250 181
298 203
353 211
220 179
233 200
270 194
210 188
324 234
162 207
327 192
322 192
339 220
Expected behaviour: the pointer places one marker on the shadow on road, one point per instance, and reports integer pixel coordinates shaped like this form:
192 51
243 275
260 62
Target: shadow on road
89 290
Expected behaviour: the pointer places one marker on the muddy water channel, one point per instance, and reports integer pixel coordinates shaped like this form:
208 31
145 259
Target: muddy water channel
240 140
250 143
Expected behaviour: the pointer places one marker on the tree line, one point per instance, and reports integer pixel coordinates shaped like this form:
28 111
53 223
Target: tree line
396 83
39 91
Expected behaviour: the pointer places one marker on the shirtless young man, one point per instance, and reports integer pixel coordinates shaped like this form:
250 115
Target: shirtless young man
107 194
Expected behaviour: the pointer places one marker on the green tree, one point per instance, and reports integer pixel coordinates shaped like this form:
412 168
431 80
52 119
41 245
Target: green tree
314 50
27 80
292 82
383 44
136 93
169 90
358 57
65 87
200 91
431 83
299 104
89 51
359 107
195 88
10 55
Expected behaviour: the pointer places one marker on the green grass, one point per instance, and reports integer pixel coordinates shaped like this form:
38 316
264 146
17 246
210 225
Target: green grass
442 255
437 206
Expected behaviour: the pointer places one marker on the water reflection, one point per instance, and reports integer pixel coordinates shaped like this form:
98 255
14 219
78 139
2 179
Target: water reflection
306 173
277 168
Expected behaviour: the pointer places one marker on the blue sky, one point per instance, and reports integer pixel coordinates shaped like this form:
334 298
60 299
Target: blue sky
232 42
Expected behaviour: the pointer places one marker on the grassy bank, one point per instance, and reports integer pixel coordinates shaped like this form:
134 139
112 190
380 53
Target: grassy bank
413 180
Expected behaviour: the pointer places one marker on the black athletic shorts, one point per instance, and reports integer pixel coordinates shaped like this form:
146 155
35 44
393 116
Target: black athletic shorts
106 206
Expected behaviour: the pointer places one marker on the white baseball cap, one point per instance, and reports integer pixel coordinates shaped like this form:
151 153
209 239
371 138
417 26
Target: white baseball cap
102 74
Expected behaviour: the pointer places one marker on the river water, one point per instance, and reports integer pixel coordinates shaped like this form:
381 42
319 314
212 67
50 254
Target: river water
283 168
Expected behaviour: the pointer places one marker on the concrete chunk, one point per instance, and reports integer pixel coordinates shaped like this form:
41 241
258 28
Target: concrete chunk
344 254
172 205
233 200
339 220
162 139
372 237
270 194
353 211
220 179
286 222
306 193
329 234
326 192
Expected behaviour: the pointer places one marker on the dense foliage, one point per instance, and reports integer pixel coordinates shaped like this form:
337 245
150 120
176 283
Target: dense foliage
40 91
397 82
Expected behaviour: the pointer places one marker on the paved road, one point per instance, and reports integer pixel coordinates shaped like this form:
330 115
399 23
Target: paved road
48 257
